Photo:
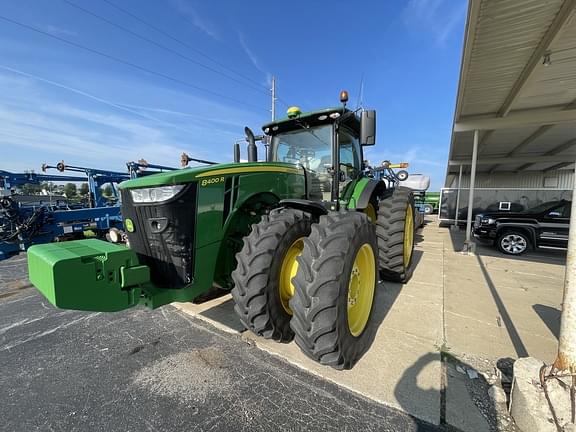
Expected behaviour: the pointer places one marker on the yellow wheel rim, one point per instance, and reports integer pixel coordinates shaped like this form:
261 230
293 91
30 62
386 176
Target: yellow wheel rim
361 289
408 235
371 213
287 272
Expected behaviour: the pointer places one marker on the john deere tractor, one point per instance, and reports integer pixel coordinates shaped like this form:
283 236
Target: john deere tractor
300 239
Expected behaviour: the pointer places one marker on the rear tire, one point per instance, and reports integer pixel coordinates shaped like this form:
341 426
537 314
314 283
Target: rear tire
335 290
428 209
395 229
258 293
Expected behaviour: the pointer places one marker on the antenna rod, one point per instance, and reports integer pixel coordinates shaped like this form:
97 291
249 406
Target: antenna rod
273 90
360 92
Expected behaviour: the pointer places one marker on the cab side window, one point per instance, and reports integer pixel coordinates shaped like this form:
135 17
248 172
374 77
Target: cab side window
349 154
560 212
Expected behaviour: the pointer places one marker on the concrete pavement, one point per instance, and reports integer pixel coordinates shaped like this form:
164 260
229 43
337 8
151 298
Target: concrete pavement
457 310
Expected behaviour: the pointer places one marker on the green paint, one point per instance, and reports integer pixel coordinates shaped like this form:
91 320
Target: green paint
357 190
432 198
75 275
186 175
85 275
132 276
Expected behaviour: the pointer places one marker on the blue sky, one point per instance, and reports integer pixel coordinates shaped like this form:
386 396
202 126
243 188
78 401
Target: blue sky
61 102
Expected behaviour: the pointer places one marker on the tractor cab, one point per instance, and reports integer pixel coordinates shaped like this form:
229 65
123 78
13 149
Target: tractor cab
326 144
307 140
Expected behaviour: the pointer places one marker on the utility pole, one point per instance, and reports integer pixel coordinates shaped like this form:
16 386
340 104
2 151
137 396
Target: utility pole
566 359
273 91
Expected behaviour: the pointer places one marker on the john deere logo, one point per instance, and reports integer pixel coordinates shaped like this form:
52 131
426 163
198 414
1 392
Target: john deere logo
129 225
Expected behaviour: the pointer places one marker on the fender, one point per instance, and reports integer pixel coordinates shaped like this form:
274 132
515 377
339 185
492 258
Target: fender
524 226
313 207
363 191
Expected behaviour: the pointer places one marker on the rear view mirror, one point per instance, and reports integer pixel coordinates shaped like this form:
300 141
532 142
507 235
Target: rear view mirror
368 128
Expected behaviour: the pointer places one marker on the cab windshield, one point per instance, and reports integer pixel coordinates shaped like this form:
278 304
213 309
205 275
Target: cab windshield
310 148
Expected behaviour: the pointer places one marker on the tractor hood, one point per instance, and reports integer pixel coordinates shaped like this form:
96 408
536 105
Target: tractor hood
186 175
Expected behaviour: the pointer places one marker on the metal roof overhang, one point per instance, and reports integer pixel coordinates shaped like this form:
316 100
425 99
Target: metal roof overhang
517 87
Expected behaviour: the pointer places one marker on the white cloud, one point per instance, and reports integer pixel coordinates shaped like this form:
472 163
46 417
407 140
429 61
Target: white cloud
63 134
255 61
438 17
93 134
208 120
193 17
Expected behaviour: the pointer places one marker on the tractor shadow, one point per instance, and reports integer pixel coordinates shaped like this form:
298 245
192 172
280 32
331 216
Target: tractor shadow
386 295
219 310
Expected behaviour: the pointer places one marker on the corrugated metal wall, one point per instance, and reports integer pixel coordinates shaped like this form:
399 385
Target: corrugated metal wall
561 179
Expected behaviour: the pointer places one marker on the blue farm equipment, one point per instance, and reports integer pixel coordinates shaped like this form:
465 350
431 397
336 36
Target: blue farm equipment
32 219
143 168
418 183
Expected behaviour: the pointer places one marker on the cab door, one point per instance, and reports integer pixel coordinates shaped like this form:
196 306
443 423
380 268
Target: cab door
350 155
554 226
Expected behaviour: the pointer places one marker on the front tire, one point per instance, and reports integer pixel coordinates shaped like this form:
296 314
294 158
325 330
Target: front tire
395 230
335 290
266 265
513 243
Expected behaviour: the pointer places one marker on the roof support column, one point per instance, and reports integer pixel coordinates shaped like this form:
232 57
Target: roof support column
468 244
566 359
458 196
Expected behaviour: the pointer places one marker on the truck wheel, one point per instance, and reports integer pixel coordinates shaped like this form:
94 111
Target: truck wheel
428 209
395 232
266 265
513 242
335 289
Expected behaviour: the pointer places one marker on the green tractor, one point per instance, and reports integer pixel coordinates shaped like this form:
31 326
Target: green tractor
300 239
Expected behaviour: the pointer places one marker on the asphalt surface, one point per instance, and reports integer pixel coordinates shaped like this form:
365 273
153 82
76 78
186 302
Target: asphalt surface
161 370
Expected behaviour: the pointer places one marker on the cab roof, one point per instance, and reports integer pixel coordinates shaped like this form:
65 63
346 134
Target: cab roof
311 118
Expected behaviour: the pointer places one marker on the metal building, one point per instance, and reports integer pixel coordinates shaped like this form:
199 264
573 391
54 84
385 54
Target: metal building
515 120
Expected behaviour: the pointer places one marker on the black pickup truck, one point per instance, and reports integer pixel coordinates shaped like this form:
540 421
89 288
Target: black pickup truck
514 233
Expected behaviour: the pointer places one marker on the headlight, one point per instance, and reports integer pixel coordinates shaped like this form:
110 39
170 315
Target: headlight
157 194
488 221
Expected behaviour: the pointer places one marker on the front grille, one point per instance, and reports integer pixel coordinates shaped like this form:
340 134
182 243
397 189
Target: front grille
164 235
477 220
